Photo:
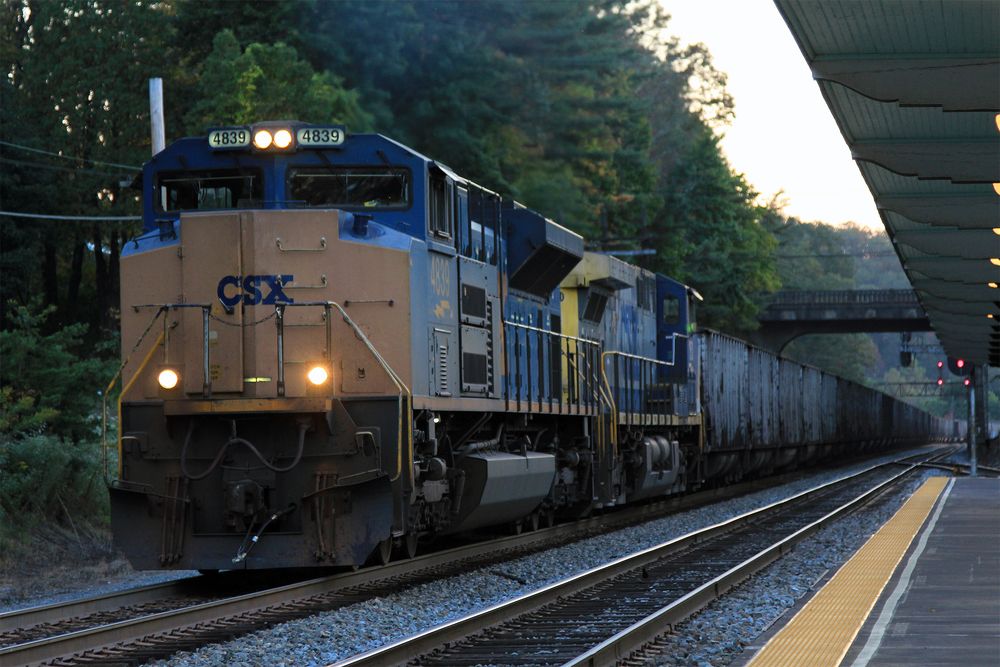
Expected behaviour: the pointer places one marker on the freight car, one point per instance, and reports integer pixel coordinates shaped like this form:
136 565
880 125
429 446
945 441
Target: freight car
334 347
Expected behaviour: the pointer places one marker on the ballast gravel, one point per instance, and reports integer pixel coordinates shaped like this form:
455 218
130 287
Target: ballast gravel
718 634
338 634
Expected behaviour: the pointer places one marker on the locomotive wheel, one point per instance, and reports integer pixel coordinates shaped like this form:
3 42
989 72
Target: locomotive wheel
382 553
410 545
533 521
517 527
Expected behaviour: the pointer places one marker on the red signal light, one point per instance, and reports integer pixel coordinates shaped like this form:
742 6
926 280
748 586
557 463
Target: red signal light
940 364
966 382
940 381
959 362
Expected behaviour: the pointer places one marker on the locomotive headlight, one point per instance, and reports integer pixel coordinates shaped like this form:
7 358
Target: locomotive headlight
168 378
318 375
282 138
262 139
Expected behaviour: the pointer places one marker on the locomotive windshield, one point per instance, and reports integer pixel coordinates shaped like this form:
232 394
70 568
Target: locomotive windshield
209 189
361 187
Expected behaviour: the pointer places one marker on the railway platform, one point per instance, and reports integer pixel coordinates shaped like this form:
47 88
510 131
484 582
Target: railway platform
924 590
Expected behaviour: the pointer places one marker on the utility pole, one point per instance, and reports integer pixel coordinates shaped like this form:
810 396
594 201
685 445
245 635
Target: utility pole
157 128
972 423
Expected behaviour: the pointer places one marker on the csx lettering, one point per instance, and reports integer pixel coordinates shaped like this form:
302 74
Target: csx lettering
233 289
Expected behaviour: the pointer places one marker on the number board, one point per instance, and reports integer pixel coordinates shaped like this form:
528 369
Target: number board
319 137
227 138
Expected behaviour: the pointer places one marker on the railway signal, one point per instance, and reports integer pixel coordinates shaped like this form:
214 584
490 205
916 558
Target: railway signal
959 366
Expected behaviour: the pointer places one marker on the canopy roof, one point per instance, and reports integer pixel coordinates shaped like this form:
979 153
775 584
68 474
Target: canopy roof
914 86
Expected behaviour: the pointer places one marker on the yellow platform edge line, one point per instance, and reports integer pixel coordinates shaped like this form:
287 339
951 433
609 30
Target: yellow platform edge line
821 633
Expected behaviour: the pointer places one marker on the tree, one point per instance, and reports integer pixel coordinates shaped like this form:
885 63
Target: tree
708 233
76 87
267 82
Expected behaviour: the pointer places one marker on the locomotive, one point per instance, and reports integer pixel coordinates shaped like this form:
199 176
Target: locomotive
335 348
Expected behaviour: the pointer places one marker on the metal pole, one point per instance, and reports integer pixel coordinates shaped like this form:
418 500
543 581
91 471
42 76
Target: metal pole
280 320
157 128
972 425
206 340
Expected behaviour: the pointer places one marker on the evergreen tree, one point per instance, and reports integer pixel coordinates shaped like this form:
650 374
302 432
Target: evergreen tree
76 87
709 235
269 82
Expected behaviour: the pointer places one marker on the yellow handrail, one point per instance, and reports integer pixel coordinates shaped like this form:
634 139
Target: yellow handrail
400 386
111 386
626 355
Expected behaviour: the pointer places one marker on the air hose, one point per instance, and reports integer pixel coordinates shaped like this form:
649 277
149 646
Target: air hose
239 441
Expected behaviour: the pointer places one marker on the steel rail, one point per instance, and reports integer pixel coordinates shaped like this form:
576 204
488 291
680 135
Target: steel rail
961 468
143 627
61 611
421 643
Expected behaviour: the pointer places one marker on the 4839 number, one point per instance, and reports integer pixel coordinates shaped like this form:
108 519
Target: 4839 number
320 136
229 138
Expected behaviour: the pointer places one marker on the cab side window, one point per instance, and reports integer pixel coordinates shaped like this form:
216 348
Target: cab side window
478 218
671 309
462 218
440 209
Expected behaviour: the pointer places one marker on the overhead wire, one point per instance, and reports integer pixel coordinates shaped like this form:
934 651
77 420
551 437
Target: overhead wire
88 218
72 170
70 157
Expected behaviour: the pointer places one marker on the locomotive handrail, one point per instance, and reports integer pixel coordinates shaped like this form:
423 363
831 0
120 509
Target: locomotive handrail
643 360
401 386
591 383
586 341
111 386
206 315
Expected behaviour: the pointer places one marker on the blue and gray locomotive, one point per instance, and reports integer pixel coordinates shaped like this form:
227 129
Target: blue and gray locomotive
336 347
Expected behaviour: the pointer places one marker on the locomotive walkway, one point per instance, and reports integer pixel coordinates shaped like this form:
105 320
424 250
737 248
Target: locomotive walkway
789 315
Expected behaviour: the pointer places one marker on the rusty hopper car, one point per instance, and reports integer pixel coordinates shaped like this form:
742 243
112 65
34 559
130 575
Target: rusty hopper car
336 347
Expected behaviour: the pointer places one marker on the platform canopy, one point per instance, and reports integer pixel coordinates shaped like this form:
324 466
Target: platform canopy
914 86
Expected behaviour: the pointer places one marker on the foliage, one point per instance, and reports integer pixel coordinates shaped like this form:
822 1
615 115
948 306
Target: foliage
852 356
709 234
50 463
76 86
47 476
50 381
269 81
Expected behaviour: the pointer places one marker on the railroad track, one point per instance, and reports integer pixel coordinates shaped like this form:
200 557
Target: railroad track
964 469
154 621
604 614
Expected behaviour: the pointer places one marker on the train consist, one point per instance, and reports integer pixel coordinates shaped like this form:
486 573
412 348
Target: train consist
336 347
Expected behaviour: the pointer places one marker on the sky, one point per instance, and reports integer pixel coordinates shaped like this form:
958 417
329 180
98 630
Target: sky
784 137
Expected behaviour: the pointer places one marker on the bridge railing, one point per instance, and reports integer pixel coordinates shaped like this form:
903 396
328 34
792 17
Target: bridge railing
894 297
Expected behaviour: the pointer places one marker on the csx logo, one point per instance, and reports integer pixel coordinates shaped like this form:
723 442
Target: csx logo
249 290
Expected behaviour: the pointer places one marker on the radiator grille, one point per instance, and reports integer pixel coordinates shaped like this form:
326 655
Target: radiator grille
443 369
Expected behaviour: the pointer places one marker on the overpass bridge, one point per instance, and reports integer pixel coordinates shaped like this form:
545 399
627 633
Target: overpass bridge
789 315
